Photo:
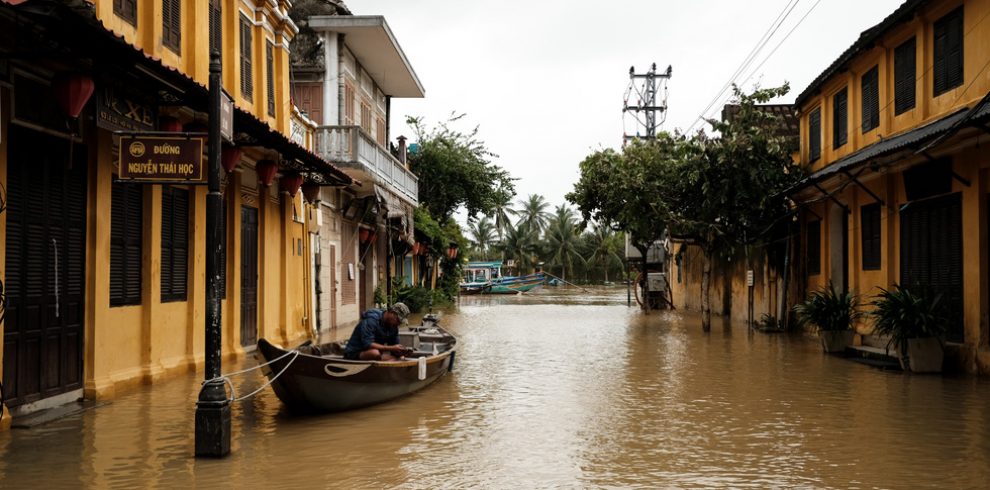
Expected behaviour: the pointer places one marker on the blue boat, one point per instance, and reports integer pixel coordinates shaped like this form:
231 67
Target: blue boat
486 278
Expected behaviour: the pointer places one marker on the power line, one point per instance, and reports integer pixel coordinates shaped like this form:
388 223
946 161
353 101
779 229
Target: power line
760 44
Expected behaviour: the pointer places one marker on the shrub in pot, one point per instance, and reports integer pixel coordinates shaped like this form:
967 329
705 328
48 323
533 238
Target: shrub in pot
916 321
833 313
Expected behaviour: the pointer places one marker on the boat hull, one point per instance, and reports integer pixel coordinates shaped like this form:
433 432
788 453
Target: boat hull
312 383
506 285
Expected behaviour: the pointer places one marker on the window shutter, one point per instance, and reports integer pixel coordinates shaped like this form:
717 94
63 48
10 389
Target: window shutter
871 238
247 76
216 26
172 24
126 9
270 59
947 67
870 88
840 123
126 214
815 134
905 77
175 243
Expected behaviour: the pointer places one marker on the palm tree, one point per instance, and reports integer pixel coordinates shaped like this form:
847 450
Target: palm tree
564 238
520 244
502 214
482 234
605 243
534 214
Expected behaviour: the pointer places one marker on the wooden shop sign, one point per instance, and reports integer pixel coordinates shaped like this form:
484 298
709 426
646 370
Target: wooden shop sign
157 159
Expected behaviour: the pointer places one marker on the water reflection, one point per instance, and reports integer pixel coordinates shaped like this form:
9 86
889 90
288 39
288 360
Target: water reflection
557 388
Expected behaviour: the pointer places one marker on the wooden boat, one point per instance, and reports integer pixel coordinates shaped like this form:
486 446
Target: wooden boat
319 379
487 278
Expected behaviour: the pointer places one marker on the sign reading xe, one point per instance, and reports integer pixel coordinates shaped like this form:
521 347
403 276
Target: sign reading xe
119 111
161 159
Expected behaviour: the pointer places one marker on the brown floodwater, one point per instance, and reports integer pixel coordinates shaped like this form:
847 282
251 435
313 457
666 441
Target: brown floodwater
556 389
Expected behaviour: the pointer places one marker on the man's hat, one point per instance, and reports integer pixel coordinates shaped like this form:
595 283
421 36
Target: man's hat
401 311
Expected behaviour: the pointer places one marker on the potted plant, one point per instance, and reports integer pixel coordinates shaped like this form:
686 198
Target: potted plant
916 321
833 312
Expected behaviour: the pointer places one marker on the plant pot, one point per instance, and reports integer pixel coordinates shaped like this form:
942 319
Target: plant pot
835 341
924 355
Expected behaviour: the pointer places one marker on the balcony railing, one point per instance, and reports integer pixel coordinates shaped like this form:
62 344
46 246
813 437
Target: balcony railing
350 146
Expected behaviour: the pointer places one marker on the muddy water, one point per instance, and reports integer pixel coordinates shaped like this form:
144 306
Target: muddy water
557 389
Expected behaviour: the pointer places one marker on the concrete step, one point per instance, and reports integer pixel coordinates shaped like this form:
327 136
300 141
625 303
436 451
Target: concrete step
874 356
41 417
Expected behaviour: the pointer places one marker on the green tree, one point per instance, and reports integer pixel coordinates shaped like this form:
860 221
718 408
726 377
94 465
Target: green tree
520 244
482 234
502 214
533 213
605 245
455 170
563 240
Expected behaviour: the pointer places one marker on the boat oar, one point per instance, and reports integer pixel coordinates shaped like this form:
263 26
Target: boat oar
565 282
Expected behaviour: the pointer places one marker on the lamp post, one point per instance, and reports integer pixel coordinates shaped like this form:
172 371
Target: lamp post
213 407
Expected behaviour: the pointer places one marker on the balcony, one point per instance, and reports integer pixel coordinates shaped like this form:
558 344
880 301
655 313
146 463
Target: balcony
349 147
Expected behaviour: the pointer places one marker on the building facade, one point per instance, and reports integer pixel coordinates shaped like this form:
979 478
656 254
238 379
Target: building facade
367 230
105 279
894 133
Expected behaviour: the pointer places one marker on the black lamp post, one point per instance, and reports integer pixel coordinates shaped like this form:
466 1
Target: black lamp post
213 407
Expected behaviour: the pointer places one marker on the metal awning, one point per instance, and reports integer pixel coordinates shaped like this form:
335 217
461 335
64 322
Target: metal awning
373 44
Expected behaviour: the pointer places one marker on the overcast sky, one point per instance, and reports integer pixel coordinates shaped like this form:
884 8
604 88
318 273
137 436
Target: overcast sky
545 79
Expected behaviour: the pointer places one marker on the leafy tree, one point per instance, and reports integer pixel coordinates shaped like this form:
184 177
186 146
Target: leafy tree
605 245
455 170
533 213
520 244
482 234
563 239
502 215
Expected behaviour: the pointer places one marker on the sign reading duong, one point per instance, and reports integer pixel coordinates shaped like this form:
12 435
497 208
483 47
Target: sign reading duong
161 159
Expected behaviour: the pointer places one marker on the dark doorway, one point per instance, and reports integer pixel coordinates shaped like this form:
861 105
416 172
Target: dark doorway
249 276
45 267
931 252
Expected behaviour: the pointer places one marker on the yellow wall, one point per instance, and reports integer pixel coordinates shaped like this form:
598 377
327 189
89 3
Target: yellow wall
976 83
193 60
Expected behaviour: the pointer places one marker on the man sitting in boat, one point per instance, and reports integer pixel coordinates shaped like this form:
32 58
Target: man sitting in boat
376 337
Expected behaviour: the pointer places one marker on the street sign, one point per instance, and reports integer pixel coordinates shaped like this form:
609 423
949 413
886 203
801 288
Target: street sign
227 117
158 159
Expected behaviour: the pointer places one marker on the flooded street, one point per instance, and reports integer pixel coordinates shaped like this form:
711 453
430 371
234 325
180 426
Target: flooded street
556 389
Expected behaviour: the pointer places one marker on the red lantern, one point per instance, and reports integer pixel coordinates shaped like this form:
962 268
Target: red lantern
169 124
290 183
363 235
266 170
452 252
230 156
72 91
311 191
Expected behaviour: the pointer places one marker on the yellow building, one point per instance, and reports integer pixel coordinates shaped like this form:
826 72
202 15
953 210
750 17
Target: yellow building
894 132
105 279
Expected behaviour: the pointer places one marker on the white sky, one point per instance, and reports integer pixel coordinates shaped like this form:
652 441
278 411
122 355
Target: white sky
545 79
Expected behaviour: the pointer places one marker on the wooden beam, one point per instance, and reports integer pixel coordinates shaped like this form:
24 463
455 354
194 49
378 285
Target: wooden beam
859 184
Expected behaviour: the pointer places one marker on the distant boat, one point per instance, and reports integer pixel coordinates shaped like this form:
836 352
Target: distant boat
319 379
487 278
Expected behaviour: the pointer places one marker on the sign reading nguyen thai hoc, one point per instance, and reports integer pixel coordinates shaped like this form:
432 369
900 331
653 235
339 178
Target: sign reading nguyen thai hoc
161 159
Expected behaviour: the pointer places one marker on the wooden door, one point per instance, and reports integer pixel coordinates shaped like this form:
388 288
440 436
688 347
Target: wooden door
249 276
45 267
931 253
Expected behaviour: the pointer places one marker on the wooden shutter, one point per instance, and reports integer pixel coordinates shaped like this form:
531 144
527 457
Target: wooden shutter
270 60
840 119
905 76
870 230
247 76
348 104
815 134
947 66
175 243
172 24
870 88
216 26
814 247
126 229
366 117
126 10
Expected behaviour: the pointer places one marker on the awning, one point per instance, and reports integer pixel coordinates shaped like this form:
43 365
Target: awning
397 209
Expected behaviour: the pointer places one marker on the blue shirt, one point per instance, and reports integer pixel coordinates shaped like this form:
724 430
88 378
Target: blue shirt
371 329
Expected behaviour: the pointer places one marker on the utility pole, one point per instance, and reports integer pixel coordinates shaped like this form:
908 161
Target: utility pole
213 407
646 87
